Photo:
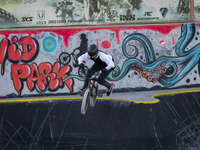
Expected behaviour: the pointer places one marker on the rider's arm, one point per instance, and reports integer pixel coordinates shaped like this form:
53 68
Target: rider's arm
107 59
83 58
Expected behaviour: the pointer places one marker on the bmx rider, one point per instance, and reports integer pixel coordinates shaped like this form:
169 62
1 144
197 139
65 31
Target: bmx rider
103 62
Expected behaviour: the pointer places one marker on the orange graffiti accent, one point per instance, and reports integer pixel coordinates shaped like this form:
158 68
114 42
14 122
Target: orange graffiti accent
27 18
154 80
144 72
149 78
144 75
163 64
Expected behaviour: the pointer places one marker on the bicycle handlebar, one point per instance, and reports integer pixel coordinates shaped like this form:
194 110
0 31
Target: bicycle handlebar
75 49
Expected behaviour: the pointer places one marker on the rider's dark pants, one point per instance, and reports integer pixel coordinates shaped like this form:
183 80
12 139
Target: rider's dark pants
101 79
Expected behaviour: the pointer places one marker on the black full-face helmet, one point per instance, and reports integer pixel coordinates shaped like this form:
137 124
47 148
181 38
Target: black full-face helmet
93 50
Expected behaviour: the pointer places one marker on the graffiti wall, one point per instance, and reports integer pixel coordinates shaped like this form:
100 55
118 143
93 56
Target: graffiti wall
44 61
26 13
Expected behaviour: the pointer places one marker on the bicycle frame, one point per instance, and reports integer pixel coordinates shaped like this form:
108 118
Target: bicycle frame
90 94
65 58
93 80
74 56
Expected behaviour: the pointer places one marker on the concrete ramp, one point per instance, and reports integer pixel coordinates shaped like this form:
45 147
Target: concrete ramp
172 123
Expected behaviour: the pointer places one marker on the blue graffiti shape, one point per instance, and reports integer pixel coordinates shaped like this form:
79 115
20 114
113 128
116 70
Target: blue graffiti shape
177 67
187 57
74 77
148 48
163 11
49 44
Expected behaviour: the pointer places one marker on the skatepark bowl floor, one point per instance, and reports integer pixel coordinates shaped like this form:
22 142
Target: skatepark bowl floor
143 120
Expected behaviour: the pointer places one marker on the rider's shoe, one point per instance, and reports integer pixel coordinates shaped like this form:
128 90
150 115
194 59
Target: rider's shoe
82 89
109 90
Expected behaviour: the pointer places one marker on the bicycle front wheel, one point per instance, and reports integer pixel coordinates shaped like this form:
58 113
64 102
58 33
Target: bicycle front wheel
85 101
94 92
83 71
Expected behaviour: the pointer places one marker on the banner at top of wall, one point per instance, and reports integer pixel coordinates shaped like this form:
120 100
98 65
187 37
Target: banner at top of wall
25 13
197 10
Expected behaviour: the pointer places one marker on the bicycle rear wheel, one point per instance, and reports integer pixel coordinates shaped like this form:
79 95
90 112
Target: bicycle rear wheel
85 101
94 92
64 58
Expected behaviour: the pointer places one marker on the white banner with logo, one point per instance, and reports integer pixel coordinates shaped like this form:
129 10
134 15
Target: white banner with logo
197 10
27 13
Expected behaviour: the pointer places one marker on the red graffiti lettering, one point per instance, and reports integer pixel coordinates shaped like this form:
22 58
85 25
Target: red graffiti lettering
45 76
45 71
18 74
11 51
3 51
62 73
29 48
35 77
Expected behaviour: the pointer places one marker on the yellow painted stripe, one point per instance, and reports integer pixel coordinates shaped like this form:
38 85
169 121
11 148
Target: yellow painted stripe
53 99
178 92
147 102
37 100
115 99
173 93
74 98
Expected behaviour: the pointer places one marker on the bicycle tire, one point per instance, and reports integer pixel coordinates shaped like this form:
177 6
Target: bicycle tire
64 58
94 93
85 101
82 72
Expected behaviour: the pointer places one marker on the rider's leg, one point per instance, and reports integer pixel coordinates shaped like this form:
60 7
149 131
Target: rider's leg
102 81
90 72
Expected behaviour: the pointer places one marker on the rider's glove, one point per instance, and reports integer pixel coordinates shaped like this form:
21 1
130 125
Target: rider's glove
82 65
104 69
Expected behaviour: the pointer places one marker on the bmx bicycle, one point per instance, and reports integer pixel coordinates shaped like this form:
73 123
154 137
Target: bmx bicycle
90 95
65 58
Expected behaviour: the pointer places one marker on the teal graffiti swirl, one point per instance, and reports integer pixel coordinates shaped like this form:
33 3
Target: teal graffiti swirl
179 66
